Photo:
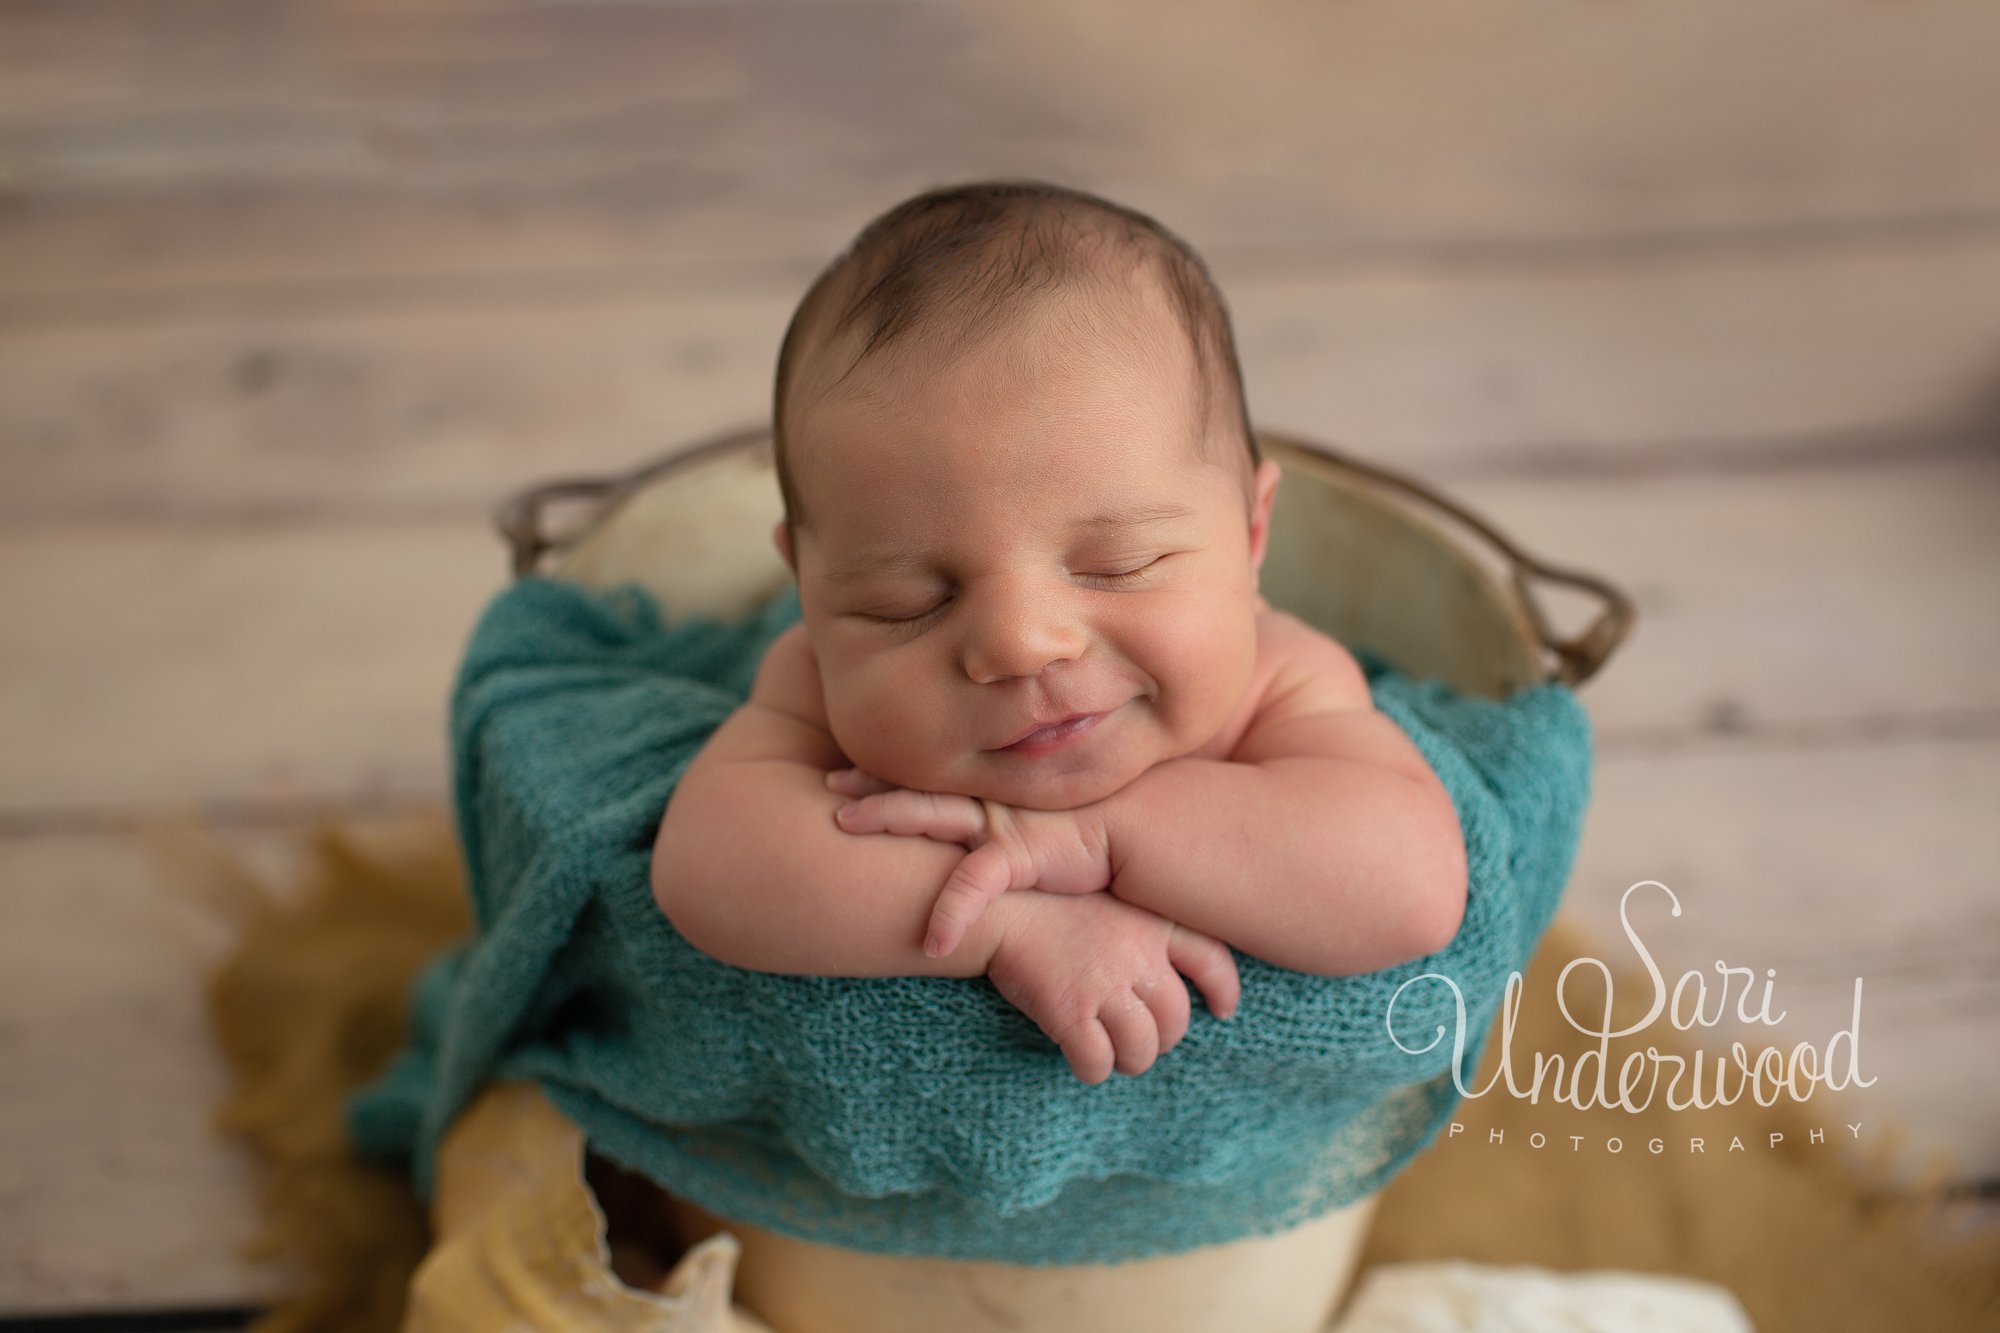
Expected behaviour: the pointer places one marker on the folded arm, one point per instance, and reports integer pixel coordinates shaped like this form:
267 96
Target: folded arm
751 868
1327 845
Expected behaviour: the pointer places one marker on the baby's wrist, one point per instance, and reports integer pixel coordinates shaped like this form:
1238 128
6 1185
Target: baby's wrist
1004 915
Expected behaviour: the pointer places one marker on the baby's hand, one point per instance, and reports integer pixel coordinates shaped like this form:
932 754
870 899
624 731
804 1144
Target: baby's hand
1100 977
1057 851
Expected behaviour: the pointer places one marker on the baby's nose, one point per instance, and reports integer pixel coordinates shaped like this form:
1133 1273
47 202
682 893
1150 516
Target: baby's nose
1021 636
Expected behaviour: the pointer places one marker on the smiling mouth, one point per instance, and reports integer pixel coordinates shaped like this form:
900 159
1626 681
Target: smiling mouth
1053 737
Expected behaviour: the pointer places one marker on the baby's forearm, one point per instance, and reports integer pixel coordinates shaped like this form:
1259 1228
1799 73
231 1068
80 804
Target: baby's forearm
751 868
1318 865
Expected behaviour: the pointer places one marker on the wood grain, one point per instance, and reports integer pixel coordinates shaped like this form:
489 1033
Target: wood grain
187 666
241 145
1619 367
117 1193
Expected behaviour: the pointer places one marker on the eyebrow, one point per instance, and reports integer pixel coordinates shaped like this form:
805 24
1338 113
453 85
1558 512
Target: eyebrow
881 558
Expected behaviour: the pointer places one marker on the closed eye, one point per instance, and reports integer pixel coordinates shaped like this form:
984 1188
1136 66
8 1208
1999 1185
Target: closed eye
1129 576
917 619
1121 580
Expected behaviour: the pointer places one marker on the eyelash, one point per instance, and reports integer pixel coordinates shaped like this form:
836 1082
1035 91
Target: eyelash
1126 579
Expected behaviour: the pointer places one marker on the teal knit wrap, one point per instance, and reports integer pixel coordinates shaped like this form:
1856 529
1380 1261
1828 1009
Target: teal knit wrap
914 1115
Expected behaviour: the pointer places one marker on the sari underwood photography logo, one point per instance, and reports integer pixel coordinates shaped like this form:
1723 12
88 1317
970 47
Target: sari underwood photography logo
1697 1080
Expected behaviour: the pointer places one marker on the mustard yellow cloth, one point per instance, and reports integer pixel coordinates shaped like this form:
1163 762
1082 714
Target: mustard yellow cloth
521 1243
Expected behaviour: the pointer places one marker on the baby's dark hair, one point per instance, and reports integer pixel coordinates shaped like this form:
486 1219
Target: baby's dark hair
986 250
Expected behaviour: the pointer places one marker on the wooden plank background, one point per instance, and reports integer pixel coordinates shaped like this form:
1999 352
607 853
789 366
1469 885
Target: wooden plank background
1703 297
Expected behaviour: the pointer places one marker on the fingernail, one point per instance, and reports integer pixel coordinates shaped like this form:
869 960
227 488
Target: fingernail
930 946
845 811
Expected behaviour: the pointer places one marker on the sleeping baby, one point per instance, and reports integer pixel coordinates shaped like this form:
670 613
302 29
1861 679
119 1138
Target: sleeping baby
1036 722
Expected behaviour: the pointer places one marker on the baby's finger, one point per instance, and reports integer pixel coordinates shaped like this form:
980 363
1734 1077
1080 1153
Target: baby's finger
1207 962
854 782
1135 1034
944 817
1167 997
980 876
1089 1052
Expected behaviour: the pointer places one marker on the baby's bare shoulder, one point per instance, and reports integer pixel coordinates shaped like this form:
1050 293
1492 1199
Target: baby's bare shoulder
1306 670
1319 705
784 717
788 678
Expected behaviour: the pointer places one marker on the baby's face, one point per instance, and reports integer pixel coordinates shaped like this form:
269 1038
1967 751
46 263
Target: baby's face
1023 535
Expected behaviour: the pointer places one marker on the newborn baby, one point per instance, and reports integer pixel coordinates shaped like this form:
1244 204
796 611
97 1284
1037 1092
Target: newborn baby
1036 717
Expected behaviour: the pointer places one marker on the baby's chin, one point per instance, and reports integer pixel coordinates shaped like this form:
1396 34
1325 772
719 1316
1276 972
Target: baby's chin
1043 785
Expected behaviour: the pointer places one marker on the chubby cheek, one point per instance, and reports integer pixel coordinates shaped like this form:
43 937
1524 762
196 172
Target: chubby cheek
886 725
1204 662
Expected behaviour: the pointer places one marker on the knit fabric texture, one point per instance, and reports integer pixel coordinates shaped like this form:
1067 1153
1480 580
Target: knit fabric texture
917 1115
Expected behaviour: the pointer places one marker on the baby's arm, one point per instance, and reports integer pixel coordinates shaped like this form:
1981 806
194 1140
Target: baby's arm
1325 845
751 868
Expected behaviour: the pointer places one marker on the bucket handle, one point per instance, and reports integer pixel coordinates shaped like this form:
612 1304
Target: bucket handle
520 521
1577 658
520 518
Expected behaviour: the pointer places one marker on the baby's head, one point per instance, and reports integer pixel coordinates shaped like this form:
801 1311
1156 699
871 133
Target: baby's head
1020 483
